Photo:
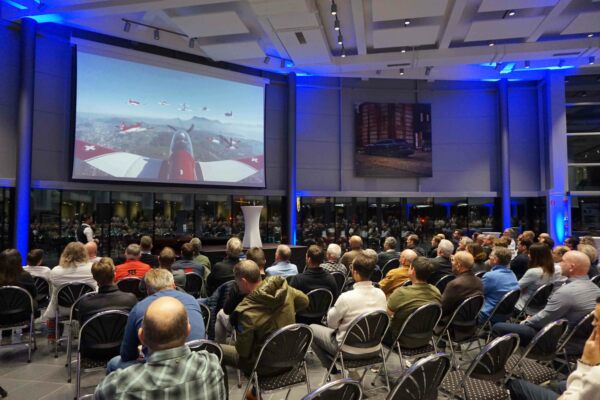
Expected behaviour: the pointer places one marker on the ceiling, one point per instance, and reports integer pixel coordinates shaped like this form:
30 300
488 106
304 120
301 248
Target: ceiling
404 39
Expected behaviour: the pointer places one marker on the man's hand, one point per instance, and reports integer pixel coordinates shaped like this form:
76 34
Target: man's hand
591 351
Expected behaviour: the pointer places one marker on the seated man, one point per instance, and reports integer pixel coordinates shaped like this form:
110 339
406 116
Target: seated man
109 297
172 370
572 301
147 257
267 306
283 266
222 271
363 298
132 267
355 244
412 243
186 262
407 299
397 276
442 265
159 283
389 251
332 262
34 266
498 281
314 277
582 384
92 251
520 263
165 260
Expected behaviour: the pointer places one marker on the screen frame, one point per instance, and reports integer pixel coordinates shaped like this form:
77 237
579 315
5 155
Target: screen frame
160 52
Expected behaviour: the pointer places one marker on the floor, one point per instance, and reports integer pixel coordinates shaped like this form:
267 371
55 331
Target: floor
45 378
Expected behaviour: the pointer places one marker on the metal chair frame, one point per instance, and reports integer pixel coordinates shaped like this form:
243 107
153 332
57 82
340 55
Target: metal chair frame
201 344
507 298
202 287
562 347
376 275
70 333
480 274
389 265
596 280
335 385
42 283
57 318
408 374
539 291
343 281
407 282
132 279
312 292
23 324
444 280
206 314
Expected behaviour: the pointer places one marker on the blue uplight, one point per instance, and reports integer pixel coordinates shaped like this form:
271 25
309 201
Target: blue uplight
16 5
46 18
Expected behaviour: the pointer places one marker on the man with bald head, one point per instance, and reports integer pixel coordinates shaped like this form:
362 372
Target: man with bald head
172 370
283 266
92 251
572 301
355 243
397 276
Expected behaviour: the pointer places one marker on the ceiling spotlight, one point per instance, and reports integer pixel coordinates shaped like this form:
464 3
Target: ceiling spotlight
156 34
592 60
192 42
343 55
282 63
403 51
127 26
266 60
401 71
561 63
333 8
378 72
491 44
407 22
340 38
527 64
498 66
428 70
511 13
590 35
336 24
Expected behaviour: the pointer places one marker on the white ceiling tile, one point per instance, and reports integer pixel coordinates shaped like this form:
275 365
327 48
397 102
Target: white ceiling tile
315 50
389 10
211 24
584 23
501 5
288 21
405 37
233 51
502 29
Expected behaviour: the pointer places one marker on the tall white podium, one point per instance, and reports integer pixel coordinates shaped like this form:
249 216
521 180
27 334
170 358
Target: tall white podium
252 231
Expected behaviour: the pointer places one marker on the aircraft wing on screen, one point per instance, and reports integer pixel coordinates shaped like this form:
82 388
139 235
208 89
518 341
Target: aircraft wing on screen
230 170
117 163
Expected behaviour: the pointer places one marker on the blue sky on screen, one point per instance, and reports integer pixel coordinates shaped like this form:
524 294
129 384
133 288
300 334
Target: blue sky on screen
105 85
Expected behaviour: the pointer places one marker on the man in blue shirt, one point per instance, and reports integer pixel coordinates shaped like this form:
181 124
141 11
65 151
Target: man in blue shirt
159 283
283 266
499 281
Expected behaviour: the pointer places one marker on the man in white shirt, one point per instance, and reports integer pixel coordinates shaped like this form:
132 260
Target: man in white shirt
85 233
363 298
34 266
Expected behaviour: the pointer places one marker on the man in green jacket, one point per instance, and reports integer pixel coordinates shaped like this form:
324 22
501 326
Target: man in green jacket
269 304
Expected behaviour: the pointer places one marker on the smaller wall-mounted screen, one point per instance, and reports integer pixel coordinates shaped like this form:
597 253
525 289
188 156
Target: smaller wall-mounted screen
392 140
142 121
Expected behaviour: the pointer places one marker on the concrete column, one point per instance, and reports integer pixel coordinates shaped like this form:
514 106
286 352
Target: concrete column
291 155
25 132
504 153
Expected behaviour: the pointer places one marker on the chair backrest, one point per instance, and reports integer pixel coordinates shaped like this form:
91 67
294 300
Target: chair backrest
208 345
504 308
16 305
422 380
376 275
367 330
319 302
205 314
545 343
421 322
480 274
540 297
68 293
131 285
491 360
391 264
193 283
42 287
340 280
464 318
443 281
596 280
342 389
101 335
407 282
579 332
285 348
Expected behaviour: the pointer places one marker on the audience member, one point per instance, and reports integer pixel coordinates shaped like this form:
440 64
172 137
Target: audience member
12 273
529 235
159 284
200 258
404 300
572 301
257 255
435 241
540 271
479 257
267 306
397 276
548 240
497 282
283 266
132 267
587 240
355 243
508 235
186 262
557 254
363 298
146 249
457 235
488 244
172 370
463 243
222 271
571 242
92 251
592 254
543 236
109 297
332 262
165 261
412 243
520 263
35 259
314 277
85 233
389 251
441 265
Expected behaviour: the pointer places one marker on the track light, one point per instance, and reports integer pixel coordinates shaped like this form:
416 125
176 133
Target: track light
333 8
498 66
491 44
336 24
403 51
511 13
401 71
428 70
407 22
527 64
592 60
192 42
282 63
156 34
378 72
266 60
561 63
127 26
590 35
340 38
343 53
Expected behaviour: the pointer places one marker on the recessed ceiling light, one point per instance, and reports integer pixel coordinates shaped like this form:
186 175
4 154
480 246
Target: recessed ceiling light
511 13
407 22
491 44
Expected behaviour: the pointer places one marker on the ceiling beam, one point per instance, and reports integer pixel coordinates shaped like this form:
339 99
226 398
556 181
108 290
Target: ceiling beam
555 12
358 19
452 23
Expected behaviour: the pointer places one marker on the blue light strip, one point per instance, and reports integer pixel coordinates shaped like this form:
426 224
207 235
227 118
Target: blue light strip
15 4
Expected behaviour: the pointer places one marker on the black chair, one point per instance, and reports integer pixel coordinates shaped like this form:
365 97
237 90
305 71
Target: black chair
596 280
205 316
66 295
537 301
443 281
484 378
43 291
342 389
366 331
480 274
534 363
100 340
131 285
462 325
422 380
208 345
73 316
17 312
388 266
407 282
319 302
340 280
504 310
376 276
281 362
580 332
419 325
194 282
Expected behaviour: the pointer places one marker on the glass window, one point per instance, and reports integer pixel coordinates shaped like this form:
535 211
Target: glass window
585 214
482 215
274 219
237 225
45 224
422 219
213 218
132 217
453 211
584 148
173 215
317 218
584 178
528 213
345 217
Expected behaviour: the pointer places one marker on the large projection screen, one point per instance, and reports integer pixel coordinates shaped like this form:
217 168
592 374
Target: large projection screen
146 118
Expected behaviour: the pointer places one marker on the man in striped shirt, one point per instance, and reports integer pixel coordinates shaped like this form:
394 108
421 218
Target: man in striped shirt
172 371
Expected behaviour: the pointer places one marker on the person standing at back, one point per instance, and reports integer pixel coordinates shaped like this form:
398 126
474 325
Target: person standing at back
85 233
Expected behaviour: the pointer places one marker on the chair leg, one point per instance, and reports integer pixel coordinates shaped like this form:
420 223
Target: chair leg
248 386
401 358
452 355
56 334
344 372
385 372
306 374
30 339
78 374
288 393
239 378
328 373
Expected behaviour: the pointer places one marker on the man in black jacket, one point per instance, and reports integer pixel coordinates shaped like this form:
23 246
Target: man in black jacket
520 263
441 264
222 271
389 252
147 257
314 277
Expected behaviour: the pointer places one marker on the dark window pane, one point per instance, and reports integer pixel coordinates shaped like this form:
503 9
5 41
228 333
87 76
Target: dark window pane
584 149
584 178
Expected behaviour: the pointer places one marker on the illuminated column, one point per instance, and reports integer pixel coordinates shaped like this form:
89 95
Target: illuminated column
504 154
291 189
25 131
